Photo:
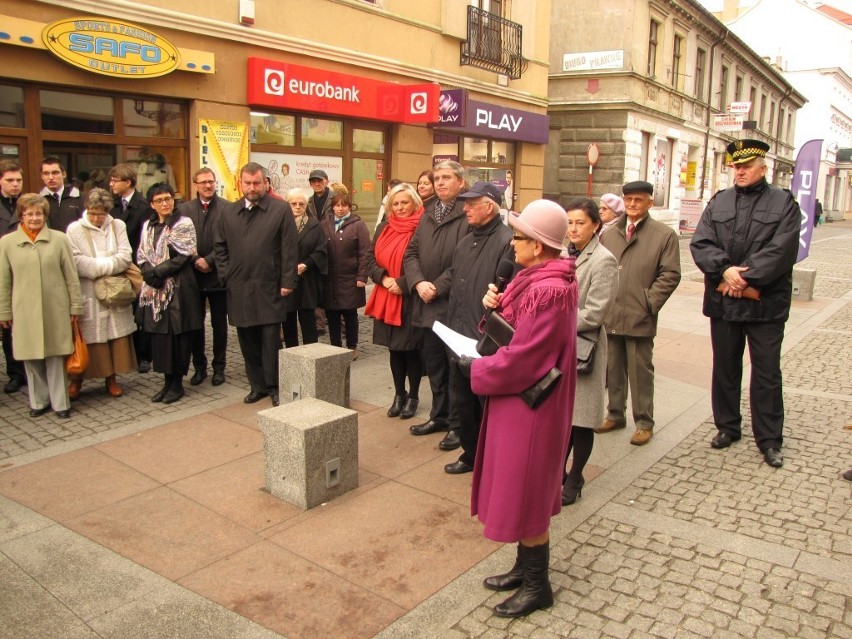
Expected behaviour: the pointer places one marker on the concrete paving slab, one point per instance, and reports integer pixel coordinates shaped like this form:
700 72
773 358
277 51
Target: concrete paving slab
27 610
173 611
85 577
18 521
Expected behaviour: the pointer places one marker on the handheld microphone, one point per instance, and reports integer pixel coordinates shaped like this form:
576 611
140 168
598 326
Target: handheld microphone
505 272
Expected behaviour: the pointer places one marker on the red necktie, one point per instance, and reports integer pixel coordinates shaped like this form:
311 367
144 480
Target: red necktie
630 229
205 206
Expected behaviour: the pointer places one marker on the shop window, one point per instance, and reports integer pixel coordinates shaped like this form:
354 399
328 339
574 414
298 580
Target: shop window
367 141
152 118
445 147
502 152
322 134
475 150
269 128
61 111
155 164
11 107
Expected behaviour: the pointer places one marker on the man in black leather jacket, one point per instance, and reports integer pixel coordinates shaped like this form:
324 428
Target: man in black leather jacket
746 245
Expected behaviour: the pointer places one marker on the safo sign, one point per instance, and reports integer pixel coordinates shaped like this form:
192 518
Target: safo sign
110 47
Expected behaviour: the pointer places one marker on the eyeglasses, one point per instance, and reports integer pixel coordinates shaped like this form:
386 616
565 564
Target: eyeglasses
206 182
521 238
298 204
114 180
51 173
162 200
35 215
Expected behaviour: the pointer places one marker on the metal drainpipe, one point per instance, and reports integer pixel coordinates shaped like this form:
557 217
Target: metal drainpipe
713 46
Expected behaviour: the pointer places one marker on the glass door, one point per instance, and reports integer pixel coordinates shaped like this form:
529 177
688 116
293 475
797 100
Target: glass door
15 150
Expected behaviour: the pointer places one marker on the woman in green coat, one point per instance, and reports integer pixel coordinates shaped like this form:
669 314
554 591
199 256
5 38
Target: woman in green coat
39 299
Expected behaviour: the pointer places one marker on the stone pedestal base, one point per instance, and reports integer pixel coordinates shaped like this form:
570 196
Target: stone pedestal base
314 370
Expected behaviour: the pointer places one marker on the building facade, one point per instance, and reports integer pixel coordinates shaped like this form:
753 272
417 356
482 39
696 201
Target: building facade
777 30
367 90
660 102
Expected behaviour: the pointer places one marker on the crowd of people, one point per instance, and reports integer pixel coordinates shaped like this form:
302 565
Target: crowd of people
577 306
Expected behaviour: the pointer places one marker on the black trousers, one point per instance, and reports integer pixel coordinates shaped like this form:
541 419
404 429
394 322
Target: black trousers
14 368
219 322
465 412
350 317
437 367
767 400
260 345
306 318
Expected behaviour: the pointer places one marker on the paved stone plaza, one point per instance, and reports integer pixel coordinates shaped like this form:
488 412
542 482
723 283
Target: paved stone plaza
111 526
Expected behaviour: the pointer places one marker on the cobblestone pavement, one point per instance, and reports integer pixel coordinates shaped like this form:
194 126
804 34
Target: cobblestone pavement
716 544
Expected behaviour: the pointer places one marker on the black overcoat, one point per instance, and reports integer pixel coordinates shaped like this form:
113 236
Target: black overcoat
205 232
256 253
347 263
313 253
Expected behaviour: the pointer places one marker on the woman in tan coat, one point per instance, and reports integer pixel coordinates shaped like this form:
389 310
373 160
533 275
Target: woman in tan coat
100 247
39 298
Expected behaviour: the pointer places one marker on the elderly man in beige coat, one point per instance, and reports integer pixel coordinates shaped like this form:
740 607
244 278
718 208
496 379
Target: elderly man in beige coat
648 273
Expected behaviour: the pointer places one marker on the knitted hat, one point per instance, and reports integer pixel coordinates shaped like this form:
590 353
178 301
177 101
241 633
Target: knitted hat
613 202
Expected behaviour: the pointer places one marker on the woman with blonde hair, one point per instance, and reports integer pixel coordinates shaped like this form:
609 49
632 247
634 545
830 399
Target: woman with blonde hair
390 301
100 248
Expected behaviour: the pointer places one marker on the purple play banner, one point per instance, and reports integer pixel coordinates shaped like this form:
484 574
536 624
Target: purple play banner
464 115
805 176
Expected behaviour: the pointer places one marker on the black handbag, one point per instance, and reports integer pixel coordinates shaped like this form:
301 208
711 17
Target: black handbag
586 348
497 332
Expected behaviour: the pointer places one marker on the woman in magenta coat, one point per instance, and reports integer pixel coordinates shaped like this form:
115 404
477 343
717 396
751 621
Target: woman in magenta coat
517 480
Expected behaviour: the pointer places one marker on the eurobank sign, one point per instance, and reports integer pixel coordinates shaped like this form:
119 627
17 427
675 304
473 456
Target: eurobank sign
110 47
290 86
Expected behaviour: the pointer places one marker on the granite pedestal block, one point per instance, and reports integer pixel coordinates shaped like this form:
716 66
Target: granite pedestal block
310 451
314 370
803 284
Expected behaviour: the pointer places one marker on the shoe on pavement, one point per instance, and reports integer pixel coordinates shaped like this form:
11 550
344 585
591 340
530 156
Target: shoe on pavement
200 376
63 414
428 428
608 425
112 387
773 457
74 387
253 397
218 378
409 408
642 436
276 401
451 440
847 475
144 366
723 440
458 468
14 385
36 412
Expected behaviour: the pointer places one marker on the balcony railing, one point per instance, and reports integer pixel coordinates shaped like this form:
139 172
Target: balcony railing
493 43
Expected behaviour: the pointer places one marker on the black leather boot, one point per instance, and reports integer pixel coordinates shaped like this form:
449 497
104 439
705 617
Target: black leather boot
409 408
158 397
508 580
396 407
175 391
535 591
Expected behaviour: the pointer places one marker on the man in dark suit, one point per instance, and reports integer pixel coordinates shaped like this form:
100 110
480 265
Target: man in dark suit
66 205
11 185
256 252
133 209
205 211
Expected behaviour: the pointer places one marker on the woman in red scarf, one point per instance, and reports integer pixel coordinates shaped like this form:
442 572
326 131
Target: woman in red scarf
389 303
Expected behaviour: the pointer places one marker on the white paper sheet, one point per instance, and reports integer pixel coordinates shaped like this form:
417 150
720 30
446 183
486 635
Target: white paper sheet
456 342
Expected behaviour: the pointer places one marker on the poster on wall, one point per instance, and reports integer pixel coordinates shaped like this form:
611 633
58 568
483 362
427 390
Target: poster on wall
224 149
690 214
289 171
660 172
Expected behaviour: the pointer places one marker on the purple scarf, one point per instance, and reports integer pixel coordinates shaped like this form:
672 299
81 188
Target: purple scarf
551 283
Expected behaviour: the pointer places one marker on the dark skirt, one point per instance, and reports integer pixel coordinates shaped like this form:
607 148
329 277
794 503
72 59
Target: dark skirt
170 353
